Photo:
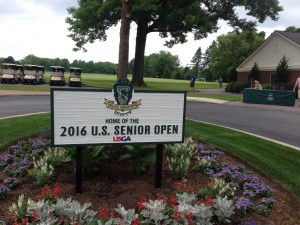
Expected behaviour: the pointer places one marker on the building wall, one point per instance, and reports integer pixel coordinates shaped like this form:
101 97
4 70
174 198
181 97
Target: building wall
265 76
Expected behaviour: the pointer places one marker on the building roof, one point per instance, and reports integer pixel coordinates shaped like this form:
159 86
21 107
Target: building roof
269 53
293 36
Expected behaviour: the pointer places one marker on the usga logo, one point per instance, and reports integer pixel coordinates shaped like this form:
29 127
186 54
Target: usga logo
121 138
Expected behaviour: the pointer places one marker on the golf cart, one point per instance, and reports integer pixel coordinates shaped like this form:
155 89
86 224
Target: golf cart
75 77
57 76
20 73
31 74
41 74
10 73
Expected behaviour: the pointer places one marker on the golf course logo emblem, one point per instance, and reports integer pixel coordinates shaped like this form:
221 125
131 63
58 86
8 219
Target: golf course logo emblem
123 93
270 97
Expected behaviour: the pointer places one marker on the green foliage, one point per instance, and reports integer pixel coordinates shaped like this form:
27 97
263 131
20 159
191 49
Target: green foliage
55 156
292 29
141 155
266 86
179 156
254 72
231 50
171 19
282 75
196 61
42 172
87 67
93 158
236 87
89 21
161 65
44 167
204 192
19 210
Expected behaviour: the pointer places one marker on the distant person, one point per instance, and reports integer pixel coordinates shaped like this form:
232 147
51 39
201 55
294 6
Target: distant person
297 84
254 84
220 82
192 83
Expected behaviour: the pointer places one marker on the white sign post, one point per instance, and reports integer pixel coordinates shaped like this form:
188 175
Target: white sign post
96 117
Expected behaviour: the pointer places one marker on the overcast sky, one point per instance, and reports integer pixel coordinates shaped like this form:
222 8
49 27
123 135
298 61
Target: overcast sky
38 27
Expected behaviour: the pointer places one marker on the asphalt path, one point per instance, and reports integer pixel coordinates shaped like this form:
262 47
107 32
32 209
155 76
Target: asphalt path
13 105
278 123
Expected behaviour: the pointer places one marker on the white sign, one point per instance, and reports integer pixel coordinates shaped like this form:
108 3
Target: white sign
92 116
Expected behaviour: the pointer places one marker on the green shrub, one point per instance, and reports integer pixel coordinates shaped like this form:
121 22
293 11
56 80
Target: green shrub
229 87
141 155
266 86
236 87
93 158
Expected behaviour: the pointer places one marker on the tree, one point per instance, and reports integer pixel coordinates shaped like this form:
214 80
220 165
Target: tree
231 50
206 63
172 19
254 72
292 29
124 38
9 59
196 61
162 65
282 75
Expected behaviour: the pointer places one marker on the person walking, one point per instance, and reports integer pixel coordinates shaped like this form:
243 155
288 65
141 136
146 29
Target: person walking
192 83
297 84
220 82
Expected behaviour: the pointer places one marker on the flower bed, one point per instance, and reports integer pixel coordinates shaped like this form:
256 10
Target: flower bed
233 191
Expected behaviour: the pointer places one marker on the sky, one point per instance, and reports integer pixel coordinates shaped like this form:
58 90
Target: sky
38 27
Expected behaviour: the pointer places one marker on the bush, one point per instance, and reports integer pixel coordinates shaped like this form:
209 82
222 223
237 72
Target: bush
236 87
229 87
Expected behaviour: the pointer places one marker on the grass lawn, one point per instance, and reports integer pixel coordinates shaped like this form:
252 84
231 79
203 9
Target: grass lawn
107 81
276 161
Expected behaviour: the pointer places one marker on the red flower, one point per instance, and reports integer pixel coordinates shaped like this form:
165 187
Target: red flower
34 215
209 201
182 186
136 221
57 191
103 213
15 218
25 221
63 220
189 189
162 197
113 213
190 222
173 200
189 215
177 216
140 204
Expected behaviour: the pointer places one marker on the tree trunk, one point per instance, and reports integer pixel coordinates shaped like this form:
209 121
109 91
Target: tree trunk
124 39
138 68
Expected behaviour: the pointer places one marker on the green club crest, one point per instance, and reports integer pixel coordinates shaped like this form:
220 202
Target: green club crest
123 91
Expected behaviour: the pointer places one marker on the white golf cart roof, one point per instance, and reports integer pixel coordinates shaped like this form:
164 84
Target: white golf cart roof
75 68
8 64
59 68
29 65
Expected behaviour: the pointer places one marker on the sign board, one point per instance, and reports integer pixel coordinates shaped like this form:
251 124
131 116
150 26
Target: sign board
95 117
